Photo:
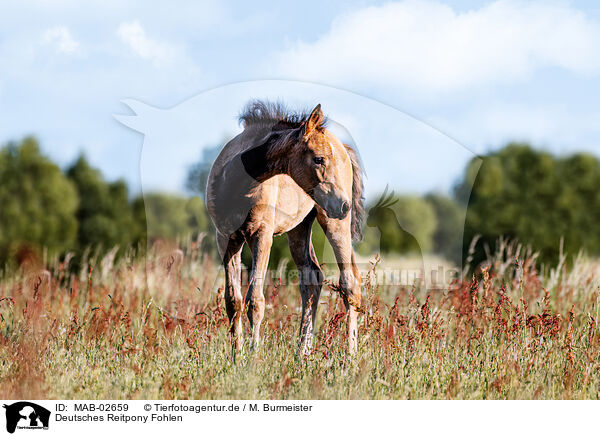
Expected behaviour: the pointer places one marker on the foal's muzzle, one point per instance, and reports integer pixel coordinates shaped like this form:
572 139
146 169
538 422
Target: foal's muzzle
333 201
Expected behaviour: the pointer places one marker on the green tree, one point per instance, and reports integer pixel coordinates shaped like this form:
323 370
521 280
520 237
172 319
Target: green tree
37 202
405 224
450 219
534 197
104 214
173 217
577 203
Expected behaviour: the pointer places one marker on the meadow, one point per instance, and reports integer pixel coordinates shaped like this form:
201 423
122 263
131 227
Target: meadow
156 328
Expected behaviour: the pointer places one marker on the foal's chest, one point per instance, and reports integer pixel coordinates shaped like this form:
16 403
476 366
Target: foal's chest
281 203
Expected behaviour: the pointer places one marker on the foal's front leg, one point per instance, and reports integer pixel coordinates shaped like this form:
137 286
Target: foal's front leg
339 235
260 243
311 278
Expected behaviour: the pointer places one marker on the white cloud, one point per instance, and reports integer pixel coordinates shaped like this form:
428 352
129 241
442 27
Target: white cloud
429 47
134 36
60 38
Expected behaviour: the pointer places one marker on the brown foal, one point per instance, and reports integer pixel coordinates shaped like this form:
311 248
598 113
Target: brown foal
277 176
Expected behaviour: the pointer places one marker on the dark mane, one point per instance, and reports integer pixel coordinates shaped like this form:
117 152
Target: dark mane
274 114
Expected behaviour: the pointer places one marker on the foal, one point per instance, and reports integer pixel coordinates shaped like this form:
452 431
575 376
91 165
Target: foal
277 176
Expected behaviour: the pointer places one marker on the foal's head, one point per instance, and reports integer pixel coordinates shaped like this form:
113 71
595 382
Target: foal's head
317 167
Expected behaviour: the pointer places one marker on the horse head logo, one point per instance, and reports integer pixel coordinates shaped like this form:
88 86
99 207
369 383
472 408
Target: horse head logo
24 414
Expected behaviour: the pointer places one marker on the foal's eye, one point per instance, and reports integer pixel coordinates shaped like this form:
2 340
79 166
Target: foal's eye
319 160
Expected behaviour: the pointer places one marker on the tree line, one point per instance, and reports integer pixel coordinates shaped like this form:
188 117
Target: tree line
45 208
518 192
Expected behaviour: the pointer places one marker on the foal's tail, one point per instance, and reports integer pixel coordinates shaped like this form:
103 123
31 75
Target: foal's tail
358 207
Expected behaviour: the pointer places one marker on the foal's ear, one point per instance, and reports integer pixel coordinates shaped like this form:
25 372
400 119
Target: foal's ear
314 120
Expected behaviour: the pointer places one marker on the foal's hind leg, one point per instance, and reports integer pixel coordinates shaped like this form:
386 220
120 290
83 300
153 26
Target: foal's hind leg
340 237
311 277
231 253
260 243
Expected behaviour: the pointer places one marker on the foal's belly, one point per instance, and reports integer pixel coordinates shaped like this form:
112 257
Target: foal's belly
291 204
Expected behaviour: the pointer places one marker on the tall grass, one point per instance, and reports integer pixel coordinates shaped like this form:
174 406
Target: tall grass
157 328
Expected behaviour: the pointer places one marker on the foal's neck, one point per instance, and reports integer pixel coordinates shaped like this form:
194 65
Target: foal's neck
267 159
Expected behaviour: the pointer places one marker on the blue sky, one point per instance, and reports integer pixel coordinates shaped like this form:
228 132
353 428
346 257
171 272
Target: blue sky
482 73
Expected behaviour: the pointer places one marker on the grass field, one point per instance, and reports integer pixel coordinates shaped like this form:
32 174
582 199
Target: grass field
157 328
